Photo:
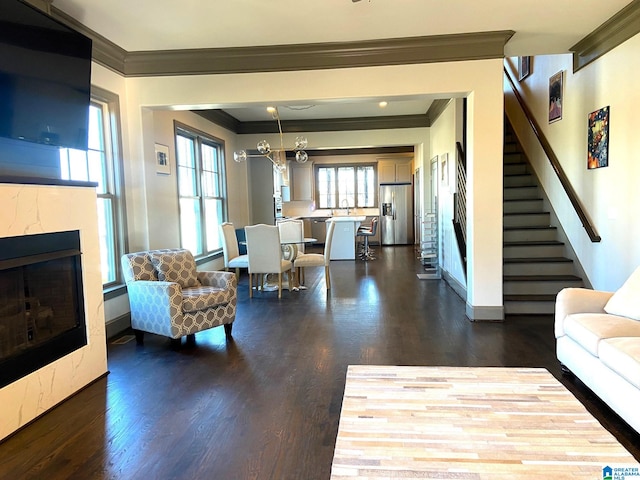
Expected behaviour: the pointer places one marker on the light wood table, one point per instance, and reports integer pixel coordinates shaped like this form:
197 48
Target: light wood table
467 423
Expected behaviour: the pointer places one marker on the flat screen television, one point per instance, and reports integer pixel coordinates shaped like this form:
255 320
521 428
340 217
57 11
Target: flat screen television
45 78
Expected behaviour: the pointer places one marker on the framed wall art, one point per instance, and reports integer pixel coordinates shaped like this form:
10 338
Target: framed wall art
598 139
444 169
555 97
524 67
163 166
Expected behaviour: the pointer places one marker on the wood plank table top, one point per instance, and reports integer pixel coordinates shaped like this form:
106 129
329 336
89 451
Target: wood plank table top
467 423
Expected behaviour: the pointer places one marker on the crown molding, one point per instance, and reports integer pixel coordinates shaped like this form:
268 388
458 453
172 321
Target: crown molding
313 56
333 152
223 119
104 51
436 108
44 5
619 28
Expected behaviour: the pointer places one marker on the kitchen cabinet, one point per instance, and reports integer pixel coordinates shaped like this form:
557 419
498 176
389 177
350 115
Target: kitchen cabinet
301 181
394 171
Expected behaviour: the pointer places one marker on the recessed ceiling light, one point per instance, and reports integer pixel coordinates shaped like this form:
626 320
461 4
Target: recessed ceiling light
382 104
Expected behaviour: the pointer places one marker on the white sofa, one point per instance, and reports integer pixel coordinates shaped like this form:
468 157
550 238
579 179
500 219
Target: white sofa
598 340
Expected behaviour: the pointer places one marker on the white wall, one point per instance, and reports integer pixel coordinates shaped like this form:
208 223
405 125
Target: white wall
610 194
444 135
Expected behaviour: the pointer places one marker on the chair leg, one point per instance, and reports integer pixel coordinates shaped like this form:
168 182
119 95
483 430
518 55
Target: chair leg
327 277
238 274
139 337
250 285
280 285
227 329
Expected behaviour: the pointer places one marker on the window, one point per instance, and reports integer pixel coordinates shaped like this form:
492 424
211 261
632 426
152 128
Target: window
101 164
345 186
201 190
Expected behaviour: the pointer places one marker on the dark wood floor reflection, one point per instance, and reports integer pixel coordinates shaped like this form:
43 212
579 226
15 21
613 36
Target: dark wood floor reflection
266 405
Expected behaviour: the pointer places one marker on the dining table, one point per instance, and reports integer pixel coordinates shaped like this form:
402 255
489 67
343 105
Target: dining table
290 251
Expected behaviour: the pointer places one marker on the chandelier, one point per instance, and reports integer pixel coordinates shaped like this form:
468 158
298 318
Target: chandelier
277 156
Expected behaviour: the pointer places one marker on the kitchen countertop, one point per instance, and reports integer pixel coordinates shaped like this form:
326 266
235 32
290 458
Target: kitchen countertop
347 218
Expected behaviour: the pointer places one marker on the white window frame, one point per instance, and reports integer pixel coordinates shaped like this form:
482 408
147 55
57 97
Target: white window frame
207 188
112 226
340 195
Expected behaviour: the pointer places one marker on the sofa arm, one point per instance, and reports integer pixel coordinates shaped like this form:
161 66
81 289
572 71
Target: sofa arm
217 279
156 307
578 300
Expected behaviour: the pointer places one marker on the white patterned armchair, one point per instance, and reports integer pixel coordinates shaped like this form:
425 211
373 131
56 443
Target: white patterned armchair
169 297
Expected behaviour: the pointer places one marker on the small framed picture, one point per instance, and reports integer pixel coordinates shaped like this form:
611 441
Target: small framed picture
444 169
163 166
555 97
598 139
524 67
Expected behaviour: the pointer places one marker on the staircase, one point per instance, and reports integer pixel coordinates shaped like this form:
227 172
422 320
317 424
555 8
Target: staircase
535 268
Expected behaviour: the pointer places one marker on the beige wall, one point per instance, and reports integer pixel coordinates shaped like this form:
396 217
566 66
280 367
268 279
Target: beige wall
610 195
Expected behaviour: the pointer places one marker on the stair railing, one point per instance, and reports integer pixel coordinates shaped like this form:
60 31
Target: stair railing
555 163
460 205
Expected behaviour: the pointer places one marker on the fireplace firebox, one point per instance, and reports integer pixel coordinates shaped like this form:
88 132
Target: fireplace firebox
42 314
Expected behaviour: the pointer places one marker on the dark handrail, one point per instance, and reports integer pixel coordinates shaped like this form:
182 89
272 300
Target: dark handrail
461 155
555 164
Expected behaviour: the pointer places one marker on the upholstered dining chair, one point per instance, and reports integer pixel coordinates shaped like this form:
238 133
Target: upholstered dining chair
305 260
265 255
291 236
230 249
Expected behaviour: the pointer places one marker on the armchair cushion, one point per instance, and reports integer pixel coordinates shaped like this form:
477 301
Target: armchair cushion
177 266
626 301
199 298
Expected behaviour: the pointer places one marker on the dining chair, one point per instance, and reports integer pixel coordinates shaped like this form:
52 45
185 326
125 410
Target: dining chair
230 249
265 255
292 231
317 259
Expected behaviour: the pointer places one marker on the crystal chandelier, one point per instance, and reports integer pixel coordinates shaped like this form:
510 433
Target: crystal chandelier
278 156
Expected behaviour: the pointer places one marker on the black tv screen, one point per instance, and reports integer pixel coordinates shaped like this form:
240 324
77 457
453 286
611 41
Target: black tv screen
45 78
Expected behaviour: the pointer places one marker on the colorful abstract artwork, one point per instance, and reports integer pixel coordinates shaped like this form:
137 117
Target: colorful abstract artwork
598 139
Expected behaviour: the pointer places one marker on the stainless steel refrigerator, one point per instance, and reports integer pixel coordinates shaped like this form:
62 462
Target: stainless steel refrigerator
396 214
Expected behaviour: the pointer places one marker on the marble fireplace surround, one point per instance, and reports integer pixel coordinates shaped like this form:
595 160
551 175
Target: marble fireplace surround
29 209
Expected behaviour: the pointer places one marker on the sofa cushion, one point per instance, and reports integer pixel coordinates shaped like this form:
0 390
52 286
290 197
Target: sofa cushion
588 329
199 298
177 266
626 301
622 355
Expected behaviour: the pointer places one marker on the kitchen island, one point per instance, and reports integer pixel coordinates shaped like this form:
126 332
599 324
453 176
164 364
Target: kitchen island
343 246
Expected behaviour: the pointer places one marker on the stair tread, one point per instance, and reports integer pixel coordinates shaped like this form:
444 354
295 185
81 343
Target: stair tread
532 243
525 213
531 227
540 278
530 298
537 199
538 260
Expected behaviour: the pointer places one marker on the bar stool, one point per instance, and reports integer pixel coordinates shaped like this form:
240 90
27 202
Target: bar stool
366 232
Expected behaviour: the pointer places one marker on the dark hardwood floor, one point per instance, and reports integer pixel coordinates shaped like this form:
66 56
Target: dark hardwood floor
266 405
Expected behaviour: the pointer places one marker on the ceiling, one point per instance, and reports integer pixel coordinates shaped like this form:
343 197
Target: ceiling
541 26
